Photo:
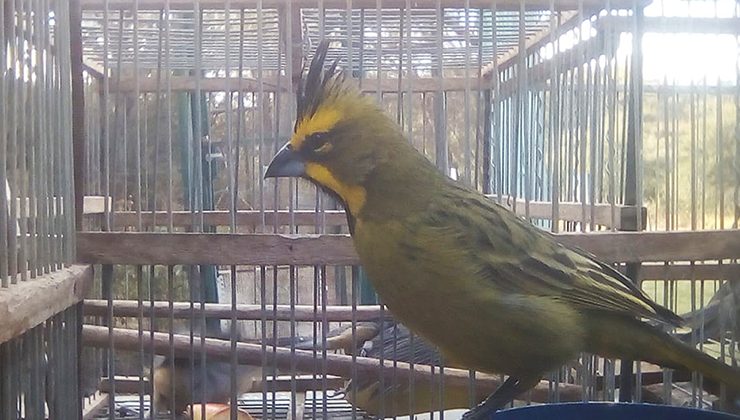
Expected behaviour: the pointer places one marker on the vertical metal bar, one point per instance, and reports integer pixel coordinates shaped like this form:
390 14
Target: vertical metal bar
521 157
232 182
291 21
61 186
259 104
168 111
633 178
78 111
107 292
54 161
379 50
170 329
466 100
6 197
495 107
581 66
17 118
138 194
554 123
105 102
440 125
16 242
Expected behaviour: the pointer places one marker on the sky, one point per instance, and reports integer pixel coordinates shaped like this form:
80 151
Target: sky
683 58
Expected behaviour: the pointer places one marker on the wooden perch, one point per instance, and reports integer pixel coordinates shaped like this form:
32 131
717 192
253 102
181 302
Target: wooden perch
181 310
304 361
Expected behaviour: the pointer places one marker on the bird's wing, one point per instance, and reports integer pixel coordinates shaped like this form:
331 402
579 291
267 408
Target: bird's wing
519 258
396 342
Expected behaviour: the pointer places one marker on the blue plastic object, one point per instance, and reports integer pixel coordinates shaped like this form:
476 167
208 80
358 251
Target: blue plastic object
609 411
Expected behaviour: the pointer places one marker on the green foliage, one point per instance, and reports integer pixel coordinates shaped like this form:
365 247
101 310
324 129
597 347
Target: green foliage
689 166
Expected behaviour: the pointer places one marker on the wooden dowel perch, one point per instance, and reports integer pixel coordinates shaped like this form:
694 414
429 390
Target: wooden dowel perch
181 310
304 361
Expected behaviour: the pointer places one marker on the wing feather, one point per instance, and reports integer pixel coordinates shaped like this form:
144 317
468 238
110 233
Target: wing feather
517 257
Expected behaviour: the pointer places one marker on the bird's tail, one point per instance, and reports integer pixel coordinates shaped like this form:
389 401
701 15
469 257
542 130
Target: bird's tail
640 341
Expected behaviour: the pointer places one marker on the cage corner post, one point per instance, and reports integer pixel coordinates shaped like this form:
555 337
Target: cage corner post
78 109
633 179
78 153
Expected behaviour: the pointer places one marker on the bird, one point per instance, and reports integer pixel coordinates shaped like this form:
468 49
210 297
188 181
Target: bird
719 318
177 383
392 397
495 293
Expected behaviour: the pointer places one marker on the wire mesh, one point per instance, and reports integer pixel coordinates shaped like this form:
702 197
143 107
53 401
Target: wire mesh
550 110
37 218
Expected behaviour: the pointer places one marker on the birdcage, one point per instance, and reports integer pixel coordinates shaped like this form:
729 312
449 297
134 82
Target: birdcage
138 133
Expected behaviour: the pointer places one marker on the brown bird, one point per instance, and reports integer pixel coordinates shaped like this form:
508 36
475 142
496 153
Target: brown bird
178 383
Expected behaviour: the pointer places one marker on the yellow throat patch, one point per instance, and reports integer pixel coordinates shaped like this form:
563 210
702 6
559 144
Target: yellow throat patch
323 120
353 195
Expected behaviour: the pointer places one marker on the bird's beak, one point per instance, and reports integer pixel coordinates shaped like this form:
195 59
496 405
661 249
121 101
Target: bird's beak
286 163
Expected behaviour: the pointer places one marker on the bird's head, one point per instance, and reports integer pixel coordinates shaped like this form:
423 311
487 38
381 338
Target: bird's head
340 137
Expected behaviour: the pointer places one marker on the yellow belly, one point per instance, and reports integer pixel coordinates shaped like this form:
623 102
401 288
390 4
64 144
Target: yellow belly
472 323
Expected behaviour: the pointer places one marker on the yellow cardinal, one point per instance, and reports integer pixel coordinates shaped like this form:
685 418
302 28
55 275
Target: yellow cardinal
492 291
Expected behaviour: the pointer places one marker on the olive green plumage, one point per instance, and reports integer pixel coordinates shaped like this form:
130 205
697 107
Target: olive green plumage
494 292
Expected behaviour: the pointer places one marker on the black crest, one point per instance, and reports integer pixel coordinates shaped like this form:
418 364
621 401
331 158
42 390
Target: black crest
319 84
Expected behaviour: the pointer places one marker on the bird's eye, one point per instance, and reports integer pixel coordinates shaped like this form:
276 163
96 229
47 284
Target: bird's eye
319 143
324 148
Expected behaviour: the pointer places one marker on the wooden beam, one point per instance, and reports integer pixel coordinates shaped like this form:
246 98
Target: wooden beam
508 5
565 61
261 249
132 384
569 211
193 248
94 69
690 272
95 204
536 41
181 310
249 84
640 247
91 408
304 361
252 218
29 303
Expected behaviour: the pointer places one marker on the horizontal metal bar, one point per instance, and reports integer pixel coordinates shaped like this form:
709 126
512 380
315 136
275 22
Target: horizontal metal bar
262 249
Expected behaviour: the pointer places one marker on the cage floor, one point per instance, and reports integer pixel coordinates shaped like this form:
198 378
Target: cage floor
314 406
